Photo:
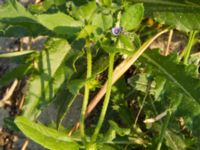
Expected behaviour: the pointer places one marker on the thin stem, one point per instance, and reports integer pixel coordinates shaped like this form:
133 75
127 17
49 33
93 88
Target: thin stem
86 92
188 47
169 42
107 98
164 127
143 102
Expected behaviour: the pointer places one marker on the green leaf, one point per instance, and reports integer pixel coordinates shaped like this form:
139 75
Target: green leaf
125 43
120 131
182 15
60 23
75 85
189 111
175 73
47 137
174 141
85 12
102 21
13 9
16 73
13 13
132 17
16 54
50 77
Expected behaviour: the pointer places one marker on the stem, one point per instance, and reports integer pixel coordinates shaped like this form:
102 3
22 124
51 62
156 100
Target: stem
188 48
118 72
164 127
107 98
143 102
86 92
169 42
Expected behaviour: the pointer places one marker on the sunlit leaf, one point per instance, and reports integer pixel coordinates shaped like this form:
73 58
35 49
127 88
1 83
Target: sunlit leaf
49 79
132 16
47 137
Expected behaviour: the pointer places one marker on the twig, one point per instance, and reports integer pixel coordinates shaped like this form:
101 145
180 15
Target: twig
118 72
8 94
21 103
158 117
37 1
169 42
25 144
143 102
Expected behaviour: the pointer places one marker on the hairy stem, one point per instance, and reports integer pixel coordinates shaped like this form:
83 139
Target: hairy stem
86 92
107 98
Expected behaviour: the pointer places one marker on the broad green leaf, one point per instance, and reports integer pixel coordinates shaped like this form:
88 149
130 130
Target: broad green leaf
174 141
132 16
85 12
15 54
140 82
47 137
60 23
125 43
49 79
13 13
182 15
102 21
13 9
174 72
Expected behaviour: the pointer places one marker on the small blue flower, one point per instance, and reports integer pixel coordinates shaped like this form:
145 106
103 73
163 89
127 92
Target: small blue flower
116 31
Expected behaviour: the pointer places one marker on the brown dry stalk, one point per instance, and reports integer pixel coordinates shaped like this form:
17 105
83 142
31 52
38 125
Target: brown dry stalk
118 72
21 103
8 94
168 42
25 144
37 1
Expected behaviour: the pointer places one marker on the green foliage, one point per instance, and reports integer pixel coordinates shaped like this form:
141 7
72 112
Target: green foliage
49 138
132 16
154 105
182 15
49 78
175 73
